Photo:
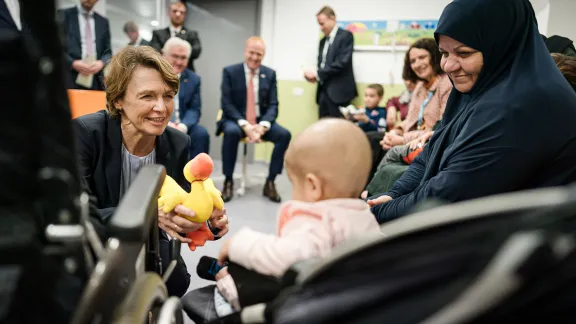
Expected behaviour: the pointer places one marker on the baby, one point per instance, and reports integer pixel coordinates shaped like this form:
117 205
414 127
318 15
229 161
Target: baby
328 164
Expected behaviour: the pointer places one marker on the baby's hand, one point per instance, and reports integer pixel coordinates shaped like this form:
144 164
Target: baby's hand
222 273
223 255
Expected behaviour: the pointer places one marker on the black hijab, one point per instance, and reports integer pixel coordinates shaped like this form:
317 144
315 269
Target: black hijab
506 33
515 129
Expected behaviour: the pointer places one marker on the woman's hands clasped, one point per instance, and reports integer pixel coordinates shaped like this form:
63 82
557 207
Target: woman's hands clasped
391 139
173 224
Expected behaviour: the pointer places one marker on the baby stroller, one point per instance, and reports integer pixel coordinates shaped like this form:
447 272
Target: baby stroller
53 266
503 259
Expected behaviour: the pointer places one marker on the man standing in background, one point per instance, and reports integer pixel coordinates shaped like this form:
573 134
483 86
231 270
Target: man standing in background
334 74
177 15
87 45
131 30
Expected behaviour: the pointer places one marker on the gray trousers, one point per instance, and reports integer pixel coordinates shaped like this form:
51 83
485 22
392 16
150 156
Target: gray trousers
394 155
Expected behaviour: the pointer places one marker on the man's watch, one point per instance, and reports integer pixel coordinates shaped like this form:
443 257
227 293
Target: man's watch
215 231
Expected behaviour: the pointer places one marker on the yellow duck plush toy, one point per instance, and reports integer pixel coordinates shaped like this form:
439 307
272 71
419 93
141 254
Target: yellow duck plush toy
202 199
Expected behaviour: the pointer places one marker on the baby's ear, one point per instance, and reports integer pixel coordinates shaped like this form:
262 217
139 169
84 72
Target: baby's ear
314 187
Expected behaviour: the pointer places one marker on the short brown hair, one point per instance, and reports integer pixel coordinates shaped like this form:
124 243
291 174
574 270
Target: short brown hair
130 27
566 65
428 44
178 3
122 67
329 12
379 89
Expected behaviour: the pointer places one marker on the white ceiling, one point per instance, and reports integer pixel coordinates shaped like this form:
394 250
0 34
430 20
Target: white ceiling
139 8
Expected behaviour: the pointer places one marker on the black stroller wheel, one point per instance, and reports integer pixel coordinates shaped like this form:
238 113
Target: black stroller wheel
147 292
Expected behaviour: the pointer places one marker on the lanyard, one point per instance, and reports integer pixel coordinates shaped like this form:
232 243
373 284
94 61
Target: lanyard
421 114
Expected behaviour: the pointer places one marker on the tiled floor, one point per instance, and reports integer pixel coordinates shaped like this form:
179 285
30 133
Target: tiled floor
253 210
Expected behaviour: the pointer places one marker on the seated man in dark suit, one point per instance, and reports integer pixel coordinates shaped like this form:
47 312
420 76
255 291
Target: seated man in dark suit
187 104
250 109
131 30
176 28
88 43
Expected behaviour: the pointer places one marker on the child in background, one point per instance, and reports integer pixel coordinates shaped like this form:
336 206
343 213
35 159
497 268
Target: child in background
374 116
399 104
327 173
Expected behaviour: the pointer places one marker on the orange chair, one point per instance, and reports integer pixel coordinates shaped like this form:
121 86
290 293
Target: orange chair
83 102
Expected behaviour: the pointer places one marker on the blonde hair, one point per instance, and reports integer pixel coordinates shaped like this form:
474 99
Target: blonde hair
122 67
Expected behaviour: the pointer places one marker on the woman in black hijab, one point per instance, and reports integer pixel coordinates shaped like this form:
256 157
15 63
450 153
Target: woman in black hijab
509 122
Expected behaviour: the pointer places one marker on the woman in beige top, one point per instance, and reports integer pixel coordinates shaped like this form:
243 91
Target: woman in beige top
429 97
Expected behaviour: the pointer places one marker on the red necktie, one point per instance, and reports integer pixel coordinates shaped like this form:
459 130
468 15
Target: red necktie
250 101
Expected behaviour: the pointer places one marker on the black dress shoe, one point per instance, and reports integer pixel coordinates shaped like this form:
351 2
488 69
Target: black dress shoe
228 191
270 192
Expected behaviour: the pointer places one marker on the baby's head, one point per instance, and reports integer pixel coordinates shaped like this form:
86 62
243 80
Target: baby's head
330 159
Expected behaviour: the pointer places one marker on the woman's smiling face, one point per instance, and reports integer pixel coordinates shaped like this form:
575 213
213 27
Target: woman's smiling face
463 64
148 102
421 63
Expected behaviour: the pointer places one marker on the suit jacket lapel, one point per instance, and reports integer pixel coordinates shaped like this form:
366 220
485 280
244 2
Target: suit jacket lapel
75 26
183 33
163 153
261 83
183 76
114 160
5 15
98 30
167 35
242 77
332 45
320 50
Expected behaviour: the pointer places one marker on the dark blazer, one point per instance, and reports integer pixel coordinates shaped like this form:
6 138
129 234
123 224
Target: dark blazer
143 42
71 26
99 150
233 90
189 98
160 36
6 20
337 76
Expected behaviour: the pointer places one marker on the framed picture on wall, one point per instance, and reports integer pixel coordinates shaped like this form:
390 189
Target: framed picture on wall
387 35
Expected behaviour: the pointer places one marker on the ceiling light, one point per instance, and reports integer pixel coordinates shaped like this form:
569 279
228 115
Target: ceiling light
154 23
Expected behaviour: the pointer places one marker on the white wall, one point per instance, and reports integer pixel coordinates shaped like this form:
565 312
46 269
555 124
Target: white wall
542 17
561 20
290 29
142 12
295 34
